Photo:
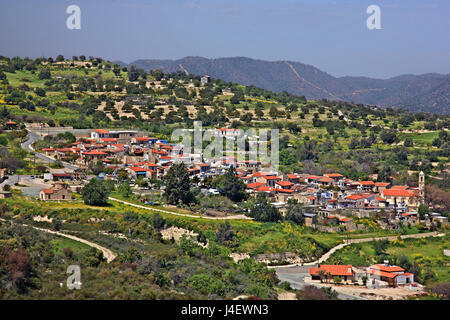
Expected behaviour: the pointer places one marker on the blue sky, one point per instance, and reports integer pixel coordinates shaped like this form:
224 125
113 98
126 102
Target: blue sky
328 34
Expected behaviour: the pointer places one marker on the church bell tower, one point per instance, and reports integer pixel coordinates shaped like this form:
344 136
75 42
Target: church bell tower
422 187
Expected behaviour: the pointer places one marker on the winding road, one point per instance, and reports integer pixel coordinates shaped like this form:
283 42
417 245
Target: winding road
32 138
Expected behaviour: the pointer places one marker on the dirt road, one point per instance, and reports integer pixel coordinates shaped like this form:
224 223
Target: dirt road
108 254
181 214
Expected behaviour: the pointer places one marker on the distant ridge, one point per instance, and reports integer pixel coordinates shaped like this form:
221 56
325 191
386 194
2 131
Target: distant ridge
428 92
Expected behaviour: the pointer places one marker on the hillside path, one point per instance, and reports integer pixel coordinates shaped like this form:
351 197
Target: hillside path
108 254
240 216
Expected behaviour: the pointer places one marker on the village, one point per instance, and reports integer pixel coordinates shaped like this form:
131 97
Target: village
331 201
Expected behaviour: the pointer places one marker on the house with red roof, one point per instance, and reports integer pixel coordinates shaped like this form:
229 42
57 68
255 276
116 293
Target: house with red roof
401 198
293 178
264 189
93 156
58 191
335 176
392 275
109 141
325 181
227 132
142 141
366 185
286 185
255 185
49 152
11 124
99 133
312 179
271 180
380 186
326 271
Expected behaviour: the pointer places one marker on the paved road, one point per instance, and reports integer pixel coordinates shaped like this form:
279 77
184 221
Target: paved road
108 254
32 138
34 186
181 214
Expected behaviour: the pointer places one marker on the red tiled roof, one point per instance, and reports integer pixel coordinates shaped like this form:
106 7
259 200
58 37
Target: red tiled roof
254 185
226 129
383 273
387 268
312 177
325 179
399 187
95 153
109 139
65 150
264 189
366 183
381 184
334 270
334 175
272 178
137 169
354 197
101 131
146 163
284 183
398 193
292 176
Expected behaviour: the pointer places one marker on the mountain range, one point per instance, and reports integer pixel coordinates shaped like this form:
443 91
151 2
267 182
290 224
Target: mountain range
428 92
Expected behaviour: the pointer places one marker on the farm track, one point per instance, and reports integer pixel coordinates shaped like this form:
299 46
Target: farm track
240 217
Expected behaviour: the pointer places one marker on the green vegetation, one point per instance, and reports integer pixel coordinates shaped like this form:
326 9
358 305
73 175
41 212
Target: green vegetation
147 267
423 257
95 193
178 189
317 137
